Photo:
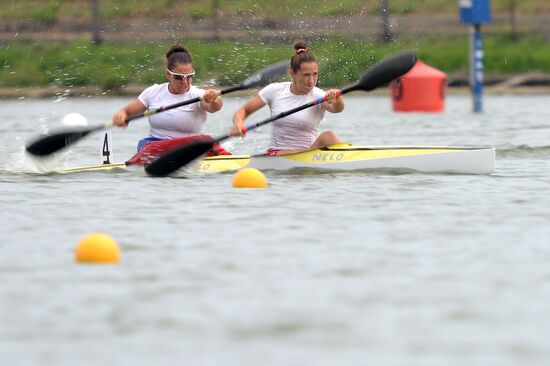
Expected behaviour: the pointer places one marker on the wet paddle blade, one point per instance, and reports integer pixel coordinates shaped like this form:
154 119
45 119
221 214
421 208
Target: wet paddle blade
178 157
386 70
51 143
267 76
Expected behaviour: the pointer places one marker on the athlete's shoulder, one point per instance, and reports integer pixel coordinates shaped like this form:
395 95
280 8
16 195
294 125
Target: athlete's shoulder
155 89
279 86
274 89
151 93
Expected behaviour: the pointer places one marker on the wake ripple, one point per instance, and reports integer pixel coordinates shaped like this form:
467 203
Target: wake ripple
522 151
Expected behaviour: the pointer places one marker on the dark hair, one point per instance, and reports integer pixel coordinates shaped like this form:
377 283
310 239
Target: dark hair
177 55
302 55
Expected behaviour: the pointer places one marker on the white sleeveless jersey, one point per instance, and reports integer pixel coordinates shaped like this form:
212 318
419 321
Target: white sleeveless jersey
178 122
298 130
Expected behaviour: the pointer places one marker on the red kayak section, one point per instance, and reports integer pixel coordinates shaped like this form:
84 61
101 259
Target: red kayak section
154 149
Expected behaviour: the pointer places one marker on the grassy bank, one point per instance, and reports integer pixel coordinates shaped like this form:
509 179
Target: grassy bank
112 65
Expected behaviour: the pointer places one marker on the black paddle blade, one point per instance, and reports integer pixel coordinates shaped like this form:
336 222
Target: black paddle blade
386 70
51 143
178 157
267 76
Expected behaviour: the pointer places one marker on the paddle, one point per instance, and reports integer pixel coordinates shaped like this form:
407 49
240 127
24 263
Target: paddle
381 73
46 145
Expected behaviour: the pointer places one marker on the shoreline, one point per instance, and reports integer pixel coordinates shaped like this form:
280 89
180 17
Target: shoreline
134 90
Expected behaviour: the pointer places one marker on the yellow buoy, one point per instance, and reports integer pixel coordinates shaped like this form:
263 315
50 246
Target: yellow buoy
249 178
97 248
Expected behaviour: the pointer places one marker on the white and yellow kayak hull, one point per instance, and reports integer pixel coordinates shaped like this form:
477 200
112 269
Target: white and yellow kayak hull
346 157
95 168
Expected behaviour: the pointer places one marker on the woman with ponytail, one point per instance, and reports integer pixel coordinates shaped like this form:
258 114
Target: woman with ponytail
177 126
298 131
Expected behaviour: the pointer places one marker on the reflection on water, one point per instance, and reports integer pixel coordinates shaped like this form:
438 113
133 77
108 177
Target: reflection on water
394 268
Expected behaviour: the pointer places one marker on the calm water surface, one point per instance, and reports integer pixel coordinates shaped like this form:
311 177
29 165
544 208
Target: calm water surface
318 269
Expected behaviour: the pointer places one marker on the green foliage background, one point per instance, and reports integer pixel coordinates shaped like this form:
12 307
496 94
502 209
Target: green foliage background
115 64
112 65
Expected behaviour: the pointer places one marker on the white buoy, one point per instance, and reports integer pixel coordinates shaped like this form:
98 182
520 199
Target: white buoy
74 119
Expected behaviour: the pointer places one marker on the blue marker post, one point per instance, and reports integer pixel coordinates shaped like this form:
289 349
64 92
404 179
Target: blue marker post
476 12
476 68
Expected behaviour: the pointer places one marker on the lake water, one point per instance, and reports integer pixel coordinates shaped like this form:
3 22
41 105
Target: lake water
317 269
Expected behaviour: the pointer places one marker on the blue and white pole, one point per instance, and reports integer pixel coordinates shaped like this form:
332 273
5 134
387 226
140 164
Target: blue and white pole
476 68
475 13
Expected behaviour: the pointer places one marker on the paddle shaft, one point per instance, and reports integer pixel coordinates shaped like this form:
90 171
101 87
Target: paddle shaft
54 142
263 77
289 112
178 157
381 73
269 74
151 112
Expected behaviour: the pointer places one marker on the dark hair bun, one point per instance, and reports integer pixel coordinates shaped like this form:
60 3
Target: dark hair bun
175 49
299 45
301 55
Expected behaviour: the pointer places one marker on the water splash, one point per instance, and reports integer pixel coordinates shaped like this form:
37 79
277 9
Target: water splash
21 162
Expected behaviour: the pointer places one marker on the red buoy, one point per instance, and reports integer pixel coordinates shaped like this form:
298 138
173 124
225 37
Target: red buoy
422 89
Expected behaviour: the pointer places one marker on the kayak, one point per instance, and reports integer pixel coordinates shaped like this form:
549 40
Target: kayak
347 157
